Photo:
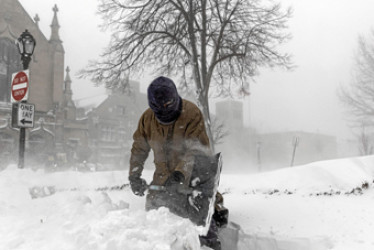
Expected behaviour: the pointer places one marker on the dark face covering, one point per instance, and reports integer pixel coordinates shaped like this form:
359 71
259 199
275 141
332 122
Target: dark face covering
164 100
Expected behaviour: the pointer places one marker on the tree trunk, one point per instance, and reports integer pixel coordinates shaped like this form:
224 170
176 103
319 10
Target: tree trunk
204 103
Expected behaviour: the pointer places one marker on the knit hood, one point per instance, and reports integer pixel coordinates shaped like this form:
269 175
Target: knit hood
164 100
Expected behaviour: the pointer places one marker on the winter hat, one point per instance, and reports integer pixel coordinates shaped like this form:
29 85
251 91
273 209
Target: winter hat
164 100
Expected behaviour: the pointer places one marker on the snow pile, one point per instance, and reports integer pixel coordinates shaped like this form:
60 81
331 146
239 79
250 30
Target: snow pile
78 217
310 207
294 208
341 175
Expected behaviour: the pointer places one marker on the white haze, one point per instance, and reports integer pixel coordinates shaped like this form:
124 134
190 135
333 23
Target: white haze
324 39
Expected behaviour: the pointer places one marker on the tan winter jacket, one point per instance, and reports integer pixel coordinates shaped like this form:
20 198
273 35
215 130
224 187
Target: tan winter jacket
173 145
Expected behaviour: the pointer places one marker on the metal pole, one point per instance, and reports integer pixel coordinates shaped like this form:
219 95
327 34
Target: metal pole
26 45
295 143
21 157
22 135
258 147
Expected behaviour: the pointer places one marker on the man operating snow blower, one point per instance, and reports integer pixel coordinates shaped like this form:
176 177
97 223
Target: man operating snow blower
186 173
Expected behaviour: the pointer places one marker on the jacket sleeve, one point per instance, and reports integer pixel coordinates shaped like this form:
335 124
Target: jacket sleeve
196 142
140 149
196 134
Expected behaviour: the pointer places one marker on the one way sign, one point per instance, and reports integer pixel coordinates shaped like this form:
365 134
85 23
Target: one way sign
23 115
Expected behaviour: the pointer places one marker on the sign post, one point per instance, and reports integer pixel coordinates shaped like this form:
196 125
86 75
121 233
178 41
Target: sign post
22 112
19 91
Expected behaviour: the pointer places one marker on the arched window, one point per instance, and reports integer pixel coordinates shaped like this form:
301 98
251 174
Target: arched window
10 62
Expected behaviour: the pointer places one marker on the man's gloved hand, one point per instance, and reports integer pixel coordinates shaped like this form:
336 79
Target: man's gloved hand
175 180
138 185
176 177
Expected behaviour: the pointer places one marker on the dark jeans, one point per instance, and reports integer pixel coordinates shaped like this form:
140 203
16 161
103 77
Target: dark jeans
211 239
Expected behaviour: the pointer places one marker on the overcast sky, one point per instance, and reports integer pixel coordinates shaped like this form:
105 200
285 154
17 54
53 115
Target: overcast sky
324 39
325 34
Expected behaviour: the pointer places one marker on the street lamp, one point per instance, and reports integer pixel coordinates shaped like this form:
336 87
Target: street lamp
26 45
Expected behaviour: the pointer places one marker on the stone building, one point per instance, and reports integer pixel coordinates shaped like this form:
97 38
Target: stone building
112 124
57 133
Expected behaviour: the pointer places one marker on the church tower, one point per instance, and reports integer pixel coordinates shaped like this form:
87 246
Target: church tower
68 104
58 60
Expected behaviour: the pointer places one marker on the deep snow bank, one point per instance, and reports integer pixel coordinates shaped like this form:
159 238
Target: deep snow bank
313 208
78 216
342 175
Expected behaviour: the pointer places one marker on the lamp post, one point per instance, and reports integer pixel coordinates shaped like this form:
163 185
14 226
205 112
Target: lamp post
26 45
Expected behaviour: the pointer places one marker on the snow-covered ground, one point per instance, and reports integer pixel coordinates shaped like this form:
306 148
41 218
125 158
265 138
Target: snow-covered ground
323 205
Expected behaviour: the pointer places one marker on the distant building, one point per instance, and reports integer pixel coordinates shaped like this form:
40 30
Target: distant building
112 124
245 147
238 146
232 113
284 149
57 134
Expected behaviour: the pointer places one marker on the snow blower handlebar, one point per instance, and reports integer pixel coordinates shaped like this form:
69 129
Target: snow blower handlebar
179 189
156 188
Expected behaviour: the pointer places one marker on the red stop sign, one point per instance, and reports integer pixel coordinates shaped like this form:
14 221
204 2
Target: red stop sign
20 85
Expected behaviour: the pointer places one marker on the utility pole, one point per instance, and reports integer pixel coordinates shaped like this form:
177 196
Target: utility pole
295 144
258 151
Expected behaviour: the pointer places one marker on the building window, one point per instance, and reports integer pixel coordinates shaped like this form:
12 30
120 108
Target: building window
108 133
10 62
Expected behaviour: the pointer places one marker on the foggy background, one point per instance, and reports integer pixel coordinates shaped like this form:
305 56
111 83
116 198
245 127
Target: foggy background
324 40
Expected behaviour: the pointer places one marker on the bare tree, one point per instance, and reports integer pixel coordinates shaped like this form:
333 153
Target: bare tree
219 131
365 144
206 43
359 96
